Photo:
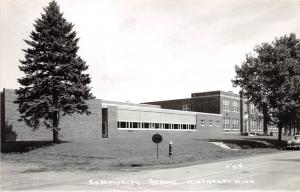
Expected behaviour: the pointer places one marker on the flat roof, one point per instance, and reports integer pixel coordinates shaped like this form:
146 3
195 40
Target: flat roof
117 103
149 108
214 93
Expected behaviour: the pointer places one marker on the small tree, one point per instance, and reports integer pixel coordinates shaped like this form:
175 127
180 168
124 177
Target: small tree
54 84
271 79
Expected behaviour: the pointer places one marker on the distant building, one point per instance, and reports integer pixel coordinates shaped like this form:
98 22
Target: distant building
238 116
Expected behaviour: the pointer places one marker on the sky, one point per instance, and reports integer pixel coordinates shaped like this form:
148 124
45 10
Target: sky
148 50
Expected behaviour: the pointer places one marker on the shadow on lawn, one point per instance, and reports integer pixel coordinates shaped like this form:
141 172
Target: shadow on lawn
251 143
24 146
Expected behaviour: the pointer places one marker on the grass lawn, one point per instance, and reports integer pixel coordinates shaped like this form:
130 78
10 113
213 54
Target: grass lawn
119 153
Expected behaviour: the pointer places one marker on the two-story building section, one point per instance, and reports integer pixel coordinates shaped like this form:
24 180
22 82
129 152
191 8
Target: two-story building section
238 116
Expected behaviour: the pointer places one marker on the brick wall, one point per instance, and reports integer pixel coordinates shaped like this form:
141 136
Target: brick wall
166 134
72 127
209 104
172 104
2 116
112 121
206 129
202 131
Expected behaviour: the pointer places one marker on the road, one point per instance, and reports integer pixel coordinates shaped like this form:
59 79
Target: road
278 171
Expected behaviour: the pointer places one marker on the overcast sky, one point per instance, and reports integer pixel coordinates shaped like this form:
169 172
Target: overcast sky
146 50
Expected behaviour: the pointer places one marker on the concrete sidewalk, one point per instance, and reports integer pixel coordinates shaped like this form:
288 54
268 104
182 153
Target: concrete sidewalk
280 171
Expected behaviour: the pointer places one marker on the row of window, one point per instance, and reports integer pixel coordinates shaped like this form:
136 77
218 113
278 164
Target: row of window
234 107
149 125
210 123
255 125
253 109
229 124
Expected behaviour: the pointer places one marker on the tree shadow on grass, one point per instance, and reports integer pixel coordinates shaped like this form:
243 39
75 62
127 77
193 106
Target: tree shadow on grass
24 146
271 142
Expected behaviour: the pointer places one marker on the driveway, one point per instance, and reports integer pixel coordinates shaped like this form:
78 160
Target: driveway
278 171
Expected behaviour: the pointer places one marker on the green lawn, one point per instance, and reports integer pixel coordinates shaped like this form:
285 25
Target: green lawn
131 152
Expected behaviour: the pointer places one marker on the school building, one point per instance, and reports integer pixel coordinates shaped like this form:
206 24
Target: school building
206 113
110 119
237 115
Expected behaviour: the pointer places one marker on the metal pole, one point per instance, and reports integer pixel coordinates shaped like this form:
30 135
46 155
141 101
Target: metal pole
157 151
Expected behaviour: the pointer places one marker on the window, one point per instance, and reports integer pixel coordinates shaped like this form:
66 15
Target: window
245 109
202 122
236 107
185 107
135 125
259 127
235 124
226 124
157 125
122 124
226 106
252 109
210 123
175 126
146 125
218 123
150 125
192 126
167 126
253 125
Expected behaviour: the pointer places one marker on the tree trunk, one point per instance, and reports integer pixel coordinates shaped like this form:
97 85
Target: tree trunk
279 134
55 128
265 119
297 127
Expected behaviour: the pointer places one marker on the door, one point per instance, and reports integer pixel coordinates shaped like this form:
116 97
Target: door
104 123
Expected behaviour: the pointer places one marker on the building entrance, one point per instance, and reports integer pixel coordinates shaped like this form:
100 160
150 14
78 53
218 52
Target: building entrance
104 123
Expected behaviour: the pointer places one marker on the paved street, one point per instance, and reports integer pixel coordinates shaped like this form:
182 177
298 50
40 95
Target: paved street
279 171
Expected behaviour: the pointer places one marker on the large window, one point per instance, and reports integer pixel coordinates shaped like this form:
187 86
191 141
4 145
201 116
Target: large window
253 125
226 105
145 125
175 126
167 125
157 125
245 109
236 107
252 109
151 126
235 124
259 127
226 124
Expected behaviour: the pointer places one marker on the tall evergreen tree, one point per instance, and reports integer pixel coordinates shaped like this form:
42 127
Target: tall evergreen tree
54 84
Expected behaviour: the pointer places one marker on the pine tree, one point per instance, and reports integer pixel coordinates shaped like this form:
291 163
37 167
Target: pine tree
54 84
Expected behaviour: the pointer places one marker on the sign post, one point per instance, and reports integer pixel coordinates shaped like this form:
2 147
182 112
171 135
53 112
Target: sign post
157 138
170 148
